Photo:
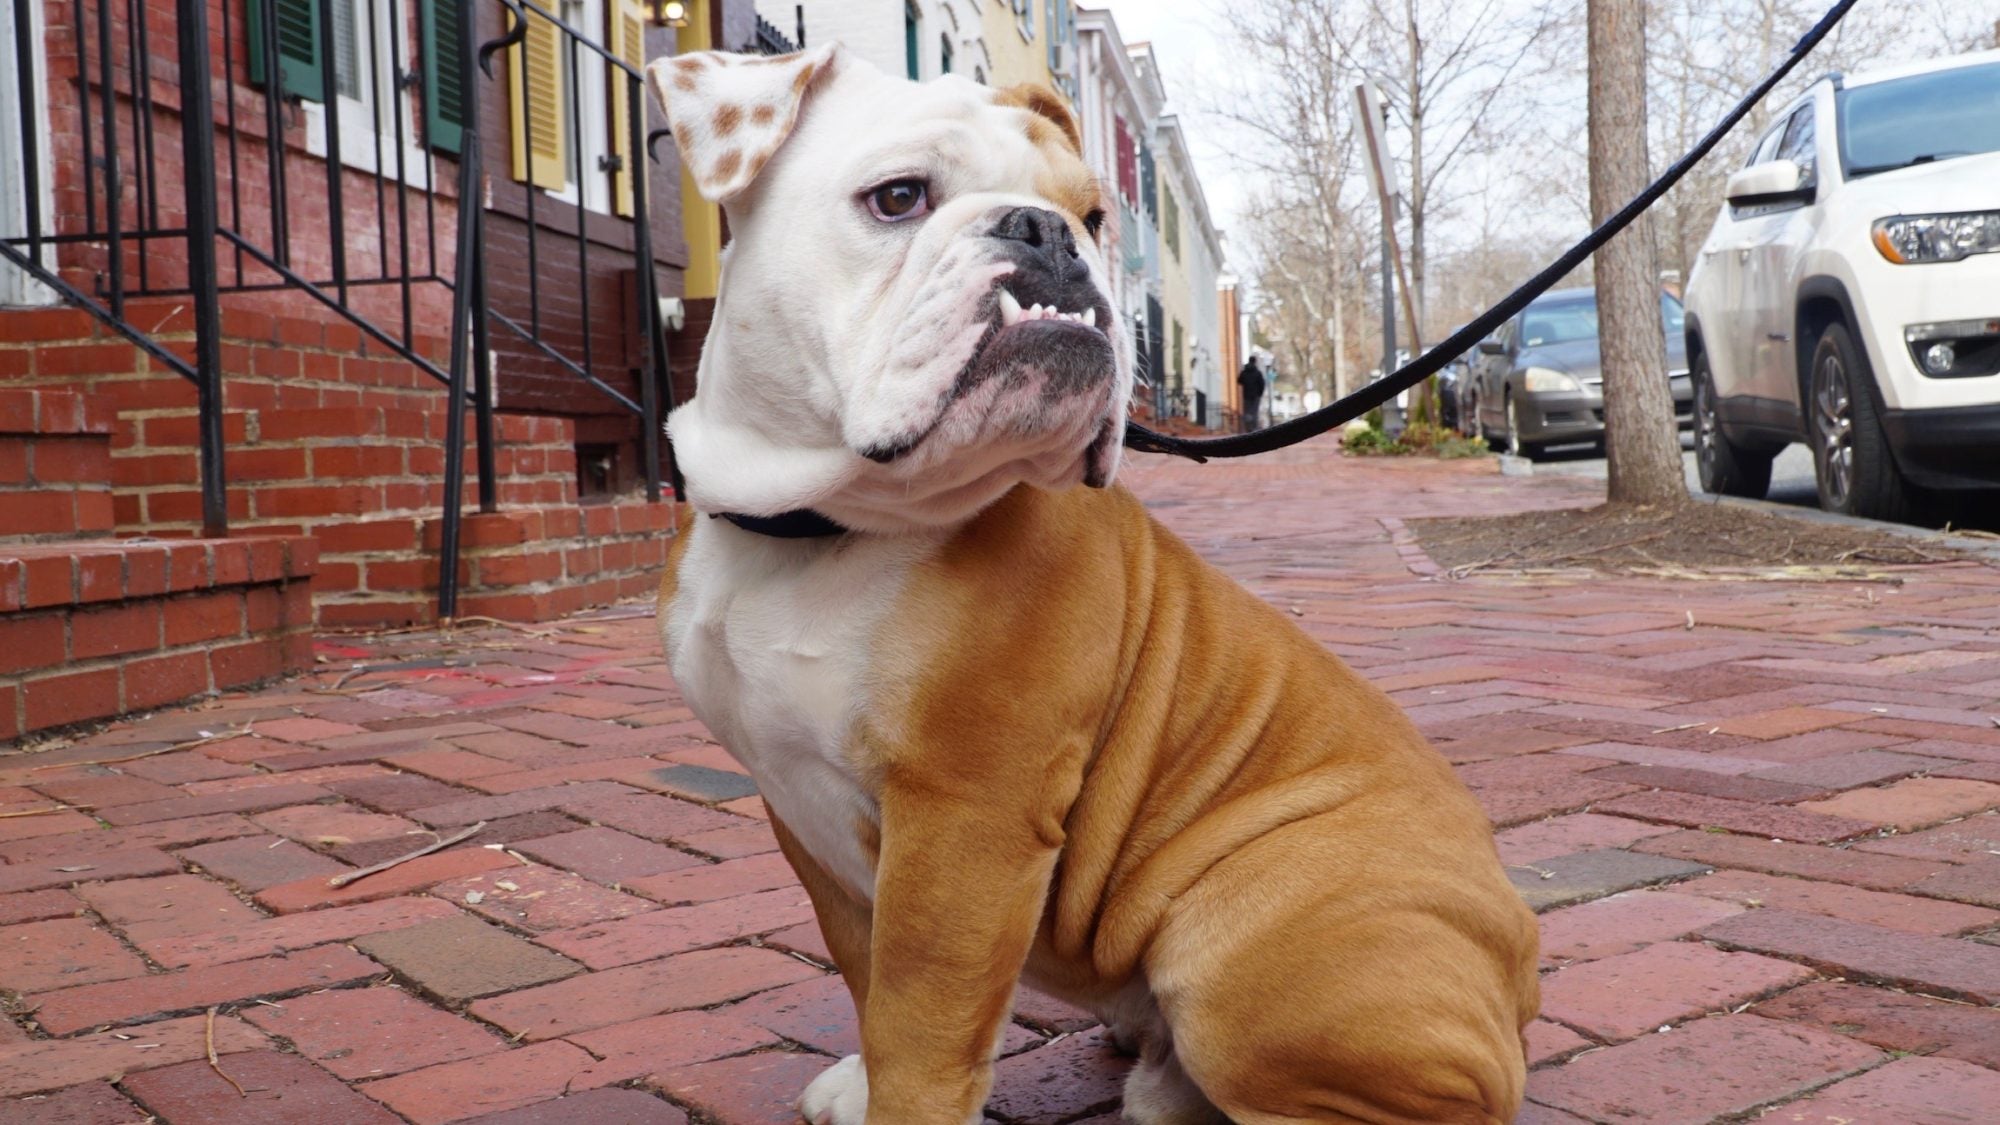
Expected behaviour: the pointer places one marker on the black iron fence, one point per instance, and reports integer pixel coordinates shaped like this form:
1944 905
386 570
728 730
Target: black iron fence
356 230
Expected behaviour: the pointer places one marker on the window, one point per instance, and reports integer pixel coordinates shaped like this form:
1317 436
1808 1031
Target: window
583 102
1798 146
911 22
367 36
944 54
568 109
1914 120
1767 146
1062 40
1148 187
1024 17
1128 163
1178 370
1170 220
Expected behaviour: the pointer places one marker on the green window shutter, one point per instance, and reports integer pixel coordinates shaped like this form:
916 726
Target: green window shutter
302 58
444 75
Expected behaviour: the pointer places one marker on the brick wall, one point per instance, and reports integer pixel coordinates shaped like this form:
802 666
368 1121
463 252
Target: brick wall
332 436
388 231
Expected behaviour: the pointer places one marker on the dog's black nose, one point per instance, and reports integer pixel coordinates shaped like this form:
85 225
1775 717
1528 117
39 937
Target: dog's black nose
1043 231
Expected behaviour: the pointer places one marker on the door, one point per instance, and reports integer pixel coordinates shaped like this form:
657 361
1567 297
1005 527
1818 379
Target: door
1156 343
20 193
1779 241
1726 322
1490 376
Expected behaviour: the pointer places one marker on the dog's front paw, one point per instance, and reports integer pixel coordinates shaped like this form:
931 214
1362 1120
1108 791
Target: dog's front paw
837 1097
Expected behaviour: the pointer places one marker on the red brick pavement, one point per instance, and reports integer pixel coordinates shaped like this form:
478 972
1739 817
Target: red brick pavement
1759 816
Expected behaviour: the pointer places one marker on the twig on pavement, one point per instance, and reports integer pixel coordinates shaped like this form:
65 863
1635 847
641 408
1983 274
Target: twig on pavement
214 1063
36 812
347 877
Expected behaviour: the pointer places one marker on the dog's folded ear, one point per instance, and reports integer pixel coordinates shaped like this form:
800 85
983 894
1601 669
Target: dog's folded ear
729 113
1045 103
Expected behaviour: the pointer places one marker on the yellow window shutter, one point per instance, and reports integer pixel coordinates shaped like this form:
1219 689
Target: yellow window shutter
628 41
537 115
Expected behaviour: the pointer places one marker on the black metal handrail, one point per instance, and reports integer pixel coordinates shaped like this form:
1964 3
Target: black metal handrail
243 237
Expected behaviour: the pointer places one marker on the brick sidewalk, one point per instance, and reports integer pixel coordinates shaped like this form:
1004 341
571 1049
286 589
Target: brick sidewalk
1759 818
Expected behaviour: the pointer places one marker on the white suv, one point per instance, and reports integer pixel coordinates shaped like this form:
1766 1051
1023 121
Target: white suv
1849 293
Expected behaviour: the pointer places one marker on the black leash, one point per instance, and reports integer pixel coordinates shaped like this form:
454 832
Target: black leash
1143 440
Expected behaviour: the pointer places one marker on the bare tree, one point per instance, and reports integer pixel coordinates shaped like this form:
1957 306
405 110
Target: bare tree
1285 108
1303 296
1449 69
1641 445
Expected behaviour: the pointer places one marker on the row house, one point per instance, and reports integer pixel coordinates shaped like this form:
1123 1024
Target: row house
919 39
1199 373
1165 254
991 42
331 313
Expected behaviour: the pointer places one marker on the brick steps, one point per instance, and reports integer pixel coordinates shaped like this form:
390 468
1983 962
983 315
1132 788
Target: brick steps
526 564
328 436
55 464
92 628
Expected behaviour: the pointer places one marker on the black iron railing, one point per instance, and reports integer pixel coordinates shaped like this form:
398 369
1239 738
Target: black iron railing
367 255
472 308
771 41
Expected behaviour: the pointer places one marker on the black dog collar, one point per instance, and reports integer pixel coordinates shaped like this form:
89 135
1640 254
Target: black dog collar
801 523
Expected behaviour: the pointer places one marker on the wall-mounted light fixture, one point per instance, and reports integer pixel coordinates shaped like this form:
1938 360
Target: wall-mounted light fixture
669 13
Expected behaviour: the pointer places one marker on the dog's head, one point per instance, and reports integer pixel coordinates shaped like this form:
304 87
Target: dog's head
914 314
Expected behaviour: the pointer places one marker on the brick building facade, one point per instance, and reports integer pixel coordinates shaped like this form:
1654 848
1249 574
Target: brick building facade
336 283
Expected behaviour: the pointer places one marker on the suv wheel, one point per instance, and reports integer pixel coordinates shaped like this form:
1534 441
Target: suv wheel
1726 469
1515 445
1857 474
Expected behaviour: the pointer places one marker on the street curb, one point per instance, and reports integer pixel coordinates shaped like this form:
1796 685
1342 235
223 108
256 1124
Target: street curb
1987 549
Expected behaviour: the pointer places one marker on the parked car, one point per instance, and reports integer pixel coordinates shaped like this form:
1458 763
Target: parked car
1848 295
1537 382
1452 380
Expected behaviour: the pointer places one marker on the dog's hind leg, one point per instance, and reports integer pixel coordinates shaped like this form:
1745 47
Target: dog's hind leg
1301 986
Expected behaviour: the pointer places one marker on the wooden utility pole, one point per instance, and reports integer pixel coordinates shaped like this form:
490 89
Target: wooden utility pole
1374 134
1641 444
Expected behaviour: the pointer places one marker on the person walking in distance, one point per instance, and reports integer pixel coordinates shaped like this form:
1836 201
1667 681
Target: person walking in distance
1251 380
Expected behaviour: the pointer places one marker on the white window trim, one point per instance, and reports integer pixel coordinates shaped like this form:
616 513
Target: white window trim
361 147
594 111
16 287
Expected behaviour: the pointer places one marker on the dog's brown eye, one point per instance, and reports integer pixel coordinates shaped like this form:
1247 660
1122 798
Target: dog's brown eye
898 200
1094 221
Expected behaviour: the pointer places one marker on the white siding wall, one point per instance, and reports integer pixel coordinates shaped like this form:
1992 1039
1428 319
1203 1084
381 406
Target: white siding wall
873 29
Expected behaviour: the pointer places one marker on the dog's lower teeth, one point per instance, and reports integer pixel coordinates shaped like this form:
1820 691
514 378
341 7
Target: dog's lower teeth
1010 309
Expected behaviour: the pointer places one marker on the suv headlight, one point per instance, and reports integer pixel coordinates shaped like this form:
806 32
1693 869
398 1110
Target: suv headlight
1543 380
1916 239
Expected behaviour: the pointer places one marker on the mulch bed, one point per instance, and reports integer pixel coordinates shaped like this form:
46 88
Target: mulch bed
1676 540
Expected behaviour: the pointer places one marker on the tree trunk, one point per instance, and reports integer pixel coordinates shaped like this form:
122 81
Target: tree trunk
1640 441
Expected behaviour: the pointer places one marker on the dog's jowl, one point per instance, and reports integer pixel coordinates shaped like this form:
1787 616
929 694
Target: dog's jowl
1009 728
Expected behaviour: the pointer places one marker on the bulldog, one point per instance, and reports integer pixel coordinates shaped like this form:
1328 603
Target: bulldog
1011 729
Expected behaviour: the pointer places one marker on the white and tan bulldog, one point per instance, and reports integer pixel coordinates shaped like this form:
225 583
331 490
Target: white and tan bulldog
1012 729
